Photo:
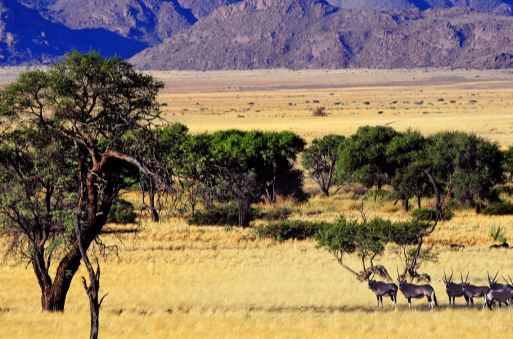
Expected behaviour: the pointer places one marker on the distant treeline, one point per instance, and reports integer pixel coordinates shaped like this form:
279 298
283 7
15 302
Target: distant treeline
246 167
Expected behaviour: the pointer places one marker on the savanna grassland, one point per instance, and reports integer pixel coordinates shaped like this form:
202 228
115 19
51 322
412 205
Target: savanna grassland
172 280
473 101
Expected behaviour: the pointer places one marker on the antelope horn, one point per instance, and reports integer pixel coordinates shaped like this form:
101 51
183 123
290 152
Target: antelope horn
495 278
510 280
445 277
466 280
461 274
398 275
488 276
507 283
450 279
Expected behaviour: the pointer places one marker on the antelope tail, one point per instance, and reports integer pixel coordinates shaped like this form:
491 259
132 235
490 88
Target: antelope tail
434 298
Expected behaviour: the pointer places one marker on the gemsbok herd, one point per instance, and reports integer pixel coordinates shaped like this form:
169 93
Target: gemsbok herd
493 294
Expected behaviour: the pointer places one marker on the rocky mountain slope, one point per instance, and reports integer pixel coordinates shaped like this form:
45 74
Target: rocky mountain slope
491 6
232 34
28 38
301 34
148 21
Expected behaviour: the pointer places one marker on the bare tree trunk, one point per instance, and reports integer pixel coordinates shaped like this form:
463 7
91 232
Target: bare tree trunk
94 277
411 269
154 213
405 203
53 295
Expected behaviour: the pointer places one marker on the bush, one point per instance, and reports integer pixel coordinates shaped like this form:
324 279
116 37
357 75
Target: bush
507 190
320 112
499 208
222 214
426 214
277 213
122 212
290 229
497 234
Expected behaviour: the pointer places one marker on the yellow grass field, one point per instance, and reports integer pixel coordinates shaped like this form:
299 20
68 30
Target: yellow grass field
180 281
473 101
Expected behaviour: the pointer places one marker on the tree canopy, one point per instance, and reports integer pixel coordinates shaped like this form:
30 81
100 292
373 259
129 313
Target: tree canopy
84 106
321 158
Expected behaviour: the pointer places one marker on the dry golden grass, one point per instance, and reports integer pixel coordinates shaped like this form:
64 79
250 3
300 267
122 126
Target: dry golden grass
209 101
176 281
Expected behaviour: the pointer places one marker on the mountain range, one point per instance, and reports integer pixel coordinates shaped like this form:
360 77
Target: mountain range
234 34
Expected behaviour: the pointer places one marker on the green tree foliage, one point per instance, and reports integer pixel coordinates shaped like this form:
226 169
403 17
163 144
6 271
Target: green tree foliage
407 154
367 239
320 159
507 165
468 164
37 197
365 158
242 166
91 103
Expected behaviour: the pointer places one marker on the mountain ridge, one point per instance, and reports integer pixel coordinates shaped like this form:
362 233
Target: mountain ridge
41 31
301 34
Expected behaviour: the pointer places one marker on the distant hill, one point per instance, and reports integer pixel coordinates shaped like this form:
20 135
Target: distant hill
223 34
148 21
301 34
490 6
28 38
41 31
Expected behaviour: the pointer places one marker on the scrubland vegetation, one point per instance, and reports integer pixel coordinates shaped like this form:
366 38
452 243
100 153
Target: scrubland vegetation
173 278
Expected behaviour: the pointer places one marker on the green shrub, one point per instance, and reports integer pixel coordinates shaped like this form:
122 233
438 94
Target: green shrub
290 229
277 213
222 214
378 194
499 208
122 212
507 190
426 214
497 234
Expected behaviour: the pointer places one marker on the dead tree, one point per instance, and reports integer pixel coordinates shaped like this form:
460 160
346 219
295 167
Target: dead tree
411 269
94 277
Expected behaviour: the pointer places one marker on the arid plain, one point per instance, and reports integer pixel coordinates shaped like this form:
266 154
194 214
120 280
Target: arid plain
177 281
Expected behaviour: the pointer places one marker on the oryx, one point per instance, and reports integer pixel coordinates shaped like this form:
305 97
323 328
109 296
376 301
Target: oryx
416 291
494 285
500 296
454 290
382 289
473 291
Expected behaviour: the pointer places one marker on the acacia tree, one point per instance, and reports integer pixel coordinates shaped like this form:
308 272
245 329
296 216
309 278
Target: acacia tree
367 239
468 164
38 186
91 102
407 153
320 159
365 156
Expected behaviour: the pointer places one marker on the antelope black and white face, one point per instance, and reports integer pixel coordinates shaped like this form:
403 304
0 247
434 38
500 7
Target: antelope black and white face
464 283
492 282
400 282
447 282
